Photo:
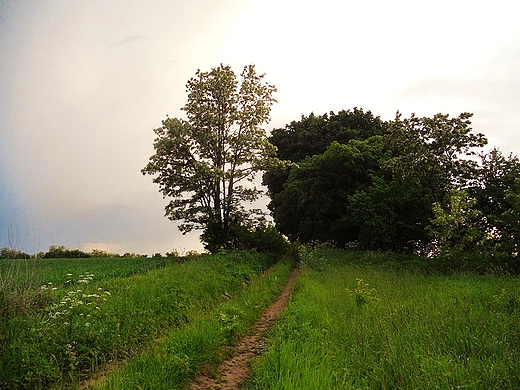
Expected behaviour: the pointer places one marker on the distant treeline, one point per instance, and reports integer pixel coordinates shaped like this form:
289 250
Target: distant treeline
61 252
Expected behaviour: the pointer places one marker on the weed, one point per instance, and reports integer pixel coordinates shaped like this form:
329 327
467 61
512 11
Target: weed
18 281
313 258
229 322
77 304
362 293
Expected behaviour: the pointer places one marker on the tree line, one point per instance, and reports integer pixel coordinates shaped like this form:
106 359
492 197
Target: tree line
61 252
416 185
420 185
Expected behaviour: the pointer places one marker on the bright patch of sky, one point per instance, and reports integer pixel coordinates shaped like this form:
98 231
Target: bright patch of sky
83 85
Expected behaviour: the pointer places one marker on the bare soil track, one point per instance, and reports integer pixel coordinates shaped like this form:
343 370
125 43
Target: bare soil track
233 371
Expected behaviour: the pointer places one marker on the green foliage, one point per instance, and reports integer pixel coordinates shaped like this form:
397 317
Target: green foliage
264 238
229 322
331 157
60 252
312 135
456 230
19 289
391 215
313 205
98 253
356 180
433 150
509 301
509 221
492 184
362 293
208 163
10 253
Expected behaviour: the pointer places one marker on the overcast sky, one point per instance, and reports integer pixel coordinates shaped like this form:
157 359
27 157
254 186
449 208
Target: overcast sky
84 83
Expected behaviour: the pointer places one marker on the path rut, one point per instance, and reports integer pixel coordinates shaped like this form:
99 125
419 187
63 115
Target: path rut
233 371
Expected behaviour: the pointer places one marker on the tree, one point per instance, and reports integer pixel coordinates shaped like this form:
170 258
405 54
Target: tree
456 229
509 222
208 163
314 203
313 134
391 215
11 253
491 184
376 185
433 150
60 252
324 165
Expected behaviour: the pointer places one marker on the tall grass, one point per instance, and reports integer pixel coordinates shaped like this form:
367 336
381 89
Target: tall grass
83 324
21 279
171 363
396 329
19 282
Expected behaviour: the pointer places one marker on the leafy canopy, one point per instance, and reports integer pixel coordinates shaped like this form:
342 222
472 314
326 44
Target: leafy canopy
207 164
354 178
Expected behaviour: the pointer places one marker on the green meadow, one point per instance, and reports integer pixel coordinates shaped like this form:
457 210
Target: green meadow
85 315
355 320
359 320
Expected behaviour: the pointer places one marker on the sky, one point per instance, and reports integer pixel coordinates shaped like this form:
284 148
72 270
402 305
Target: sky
84 83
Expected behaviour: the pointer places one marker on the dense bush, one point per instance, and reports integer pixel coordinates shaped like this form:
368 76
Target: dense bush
265 239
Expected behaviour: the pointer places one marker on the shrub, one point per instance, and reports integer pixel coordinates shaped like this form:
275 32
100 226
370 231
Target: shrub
60 252
9 253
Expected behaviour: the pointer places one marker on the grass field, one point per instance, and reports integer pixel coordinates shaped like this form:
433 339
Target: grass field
82 315
56 270
358 321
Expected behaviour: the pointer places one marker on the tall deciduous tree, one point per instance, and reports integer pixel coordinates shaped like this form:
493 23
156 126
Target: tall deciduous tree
207 164
314 203
376 184
329 160
509 223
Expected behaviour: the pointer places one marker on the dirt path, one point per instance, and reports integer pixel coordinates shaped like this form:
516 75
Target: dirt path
233 371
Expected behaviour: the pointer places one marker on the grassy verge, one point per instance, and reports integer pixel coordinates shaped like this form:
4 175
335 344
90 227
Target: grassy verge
383 326
171 363
79 324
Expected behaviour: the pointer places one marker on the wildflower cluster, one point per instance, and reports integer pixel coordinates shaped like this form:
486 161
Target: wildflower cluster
48 287
312 256
76 302
85 279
